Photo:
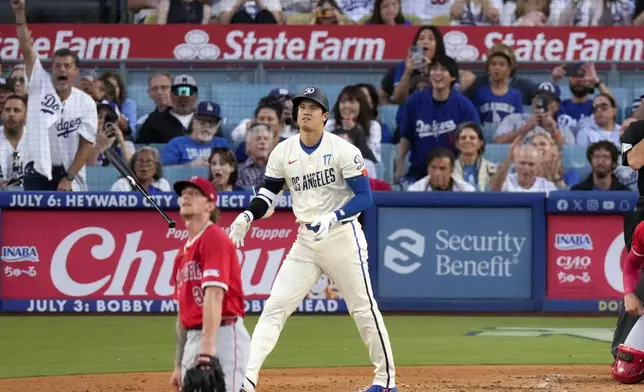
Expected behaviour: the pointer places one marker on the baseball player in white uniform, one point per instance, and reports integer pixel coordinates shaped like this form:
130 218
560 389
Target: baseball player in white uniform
329 187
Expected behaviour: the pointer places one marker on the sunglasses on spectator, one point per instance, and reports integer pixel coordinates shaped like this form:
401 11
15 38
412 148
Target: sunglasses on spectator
601 106
184 91
18 79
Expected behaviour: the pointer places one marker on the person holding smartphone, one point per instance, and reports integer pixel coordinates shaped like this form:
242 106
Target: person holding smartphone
175 121
109 134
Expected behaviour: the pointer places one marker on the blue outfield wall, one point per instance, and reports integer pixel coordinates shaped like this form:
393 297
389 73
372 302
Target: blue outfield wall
484 252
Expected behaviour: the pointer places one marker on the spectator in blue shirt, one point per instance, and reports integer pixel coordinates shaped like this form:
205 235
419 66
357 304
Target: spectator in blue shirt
431 117
497 98
583 80
194 149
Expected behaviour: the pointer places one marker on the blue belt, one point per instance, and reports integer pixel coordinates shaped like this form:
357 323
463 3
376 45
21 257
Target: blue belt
315 228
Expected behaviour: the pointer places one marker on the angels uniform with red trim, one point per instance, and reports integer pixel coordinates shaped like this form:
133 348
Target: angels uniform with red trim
210 259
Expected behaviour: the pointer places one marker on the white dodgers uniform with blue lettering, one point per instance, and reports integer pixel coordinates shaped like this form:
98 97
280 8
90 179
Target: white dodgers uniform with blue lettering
316 178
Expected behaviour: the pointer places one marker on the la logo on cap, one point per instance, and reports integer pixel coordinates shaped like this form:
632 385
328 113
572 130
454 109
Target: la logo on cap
209 108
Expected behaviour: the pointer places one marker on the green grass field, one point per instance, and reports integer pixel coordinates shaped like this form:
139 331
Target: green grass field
114 344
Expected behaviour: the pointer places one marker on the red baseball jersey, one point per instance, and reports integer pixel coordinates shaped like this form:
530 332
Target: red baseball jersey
210 259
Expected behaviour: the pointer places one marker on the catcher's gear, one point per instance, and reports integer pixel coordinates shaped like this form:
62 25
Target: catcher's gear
324 224
628 368
313 94
206 375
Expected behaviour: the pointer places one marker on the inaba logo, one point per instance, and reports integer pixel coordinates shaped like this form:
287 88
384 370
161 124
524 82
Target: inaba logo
64 128
13 254
573 242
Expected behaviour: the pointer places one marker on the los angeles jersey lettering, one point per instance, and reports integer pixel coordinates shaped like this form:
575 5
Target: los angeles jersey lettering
209 260
317 181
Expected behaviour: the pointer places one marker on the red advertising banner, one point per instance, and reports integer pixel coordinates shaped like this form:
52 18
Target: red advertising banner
121 261
330 43
585 257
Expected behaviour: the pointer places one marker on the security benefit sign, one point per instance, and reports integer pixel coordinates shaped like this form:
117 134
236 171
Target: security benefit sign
455 253
585 257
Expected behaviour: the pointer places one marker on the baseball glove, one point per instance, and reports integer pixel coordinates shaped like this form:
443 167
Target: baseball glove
206 375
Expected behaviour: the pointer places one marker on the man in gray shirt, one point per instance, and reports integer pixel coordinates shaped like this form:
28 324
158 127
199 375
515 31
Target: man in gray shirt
545 104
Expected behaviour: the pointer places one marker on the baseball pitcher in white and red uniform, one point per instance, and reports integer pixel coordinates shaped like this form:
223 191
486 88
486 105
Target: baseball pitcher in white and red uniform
208 288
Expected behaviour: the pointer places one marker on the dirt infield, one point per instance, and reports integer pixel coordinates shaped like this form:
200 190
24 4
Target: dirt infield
564 378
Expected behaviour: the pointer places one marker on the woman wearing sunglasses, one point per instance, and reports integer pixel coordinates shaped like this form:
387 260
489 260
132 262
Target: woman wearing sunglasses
18 79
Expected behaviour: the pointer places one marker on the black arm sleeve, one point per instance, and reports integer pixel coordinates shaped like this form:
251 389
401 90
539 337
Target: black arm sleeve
265 197
632 135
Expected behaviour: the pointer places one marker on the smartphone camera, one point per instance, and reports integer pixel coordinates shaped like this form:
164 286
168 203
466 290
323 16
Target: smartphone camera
417 56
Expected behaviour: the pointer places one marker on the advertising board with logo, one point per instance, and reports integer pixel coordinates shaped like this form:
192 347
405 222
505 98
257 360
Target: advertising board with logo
325 43
443 253
585 255
121 261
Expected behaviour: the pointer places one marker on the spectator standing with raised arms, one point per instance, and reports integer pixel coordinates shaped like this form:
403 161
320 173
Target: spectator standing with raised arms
62 117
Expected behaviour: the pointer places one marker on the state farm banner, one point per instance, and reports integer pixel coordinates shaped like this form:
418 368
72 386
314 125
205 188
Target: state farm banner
326 43
585 257
121 261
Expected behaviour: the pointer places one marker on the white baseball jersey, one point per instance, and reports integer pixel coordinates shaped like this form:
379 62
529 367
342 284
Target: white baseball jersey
317 181
7 156
67 121
511 184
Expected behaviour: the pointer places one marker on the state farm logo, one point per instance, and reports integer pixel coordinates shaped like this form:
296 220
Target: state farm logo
398 261
247 45
197 46
457 47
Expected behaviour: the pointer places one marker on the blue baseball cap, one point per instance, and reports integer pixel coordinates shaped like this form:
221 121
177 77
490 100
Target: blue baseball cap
550 88
280 92
111 106
208 110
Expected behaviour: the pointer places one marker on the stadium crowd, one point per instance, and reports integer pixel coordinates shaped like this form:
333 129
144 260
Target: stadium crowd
444 112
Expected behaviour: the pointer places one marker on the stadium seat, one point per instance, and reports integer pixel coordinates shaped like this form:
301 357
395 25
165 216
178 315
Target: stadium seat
388 154
387 115
488 132
101 178
496 153
178 173
575 157
238 100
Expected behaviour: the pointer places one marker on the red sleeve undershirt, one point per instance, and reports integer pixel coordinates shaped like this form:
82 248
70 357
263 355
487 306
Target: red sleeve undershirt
634 261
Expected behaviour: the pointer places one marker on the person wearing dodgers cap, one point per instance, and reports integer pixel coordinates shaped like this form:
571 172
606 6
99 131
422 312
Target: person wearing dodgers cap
541 119
194 149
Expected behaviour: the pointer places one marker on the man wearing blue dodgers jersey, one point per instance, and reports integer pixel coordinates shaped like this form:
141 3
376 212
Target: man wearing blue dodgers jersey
430 118
329 188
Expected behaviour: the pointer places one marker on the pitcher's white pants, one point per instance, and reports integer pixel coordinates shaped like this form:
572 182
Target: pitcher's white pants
342 255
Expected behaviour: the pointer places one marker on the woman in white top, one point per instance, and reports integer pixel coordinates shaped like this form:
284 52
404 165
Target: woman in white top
351 112
146 166
471 166
603 125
